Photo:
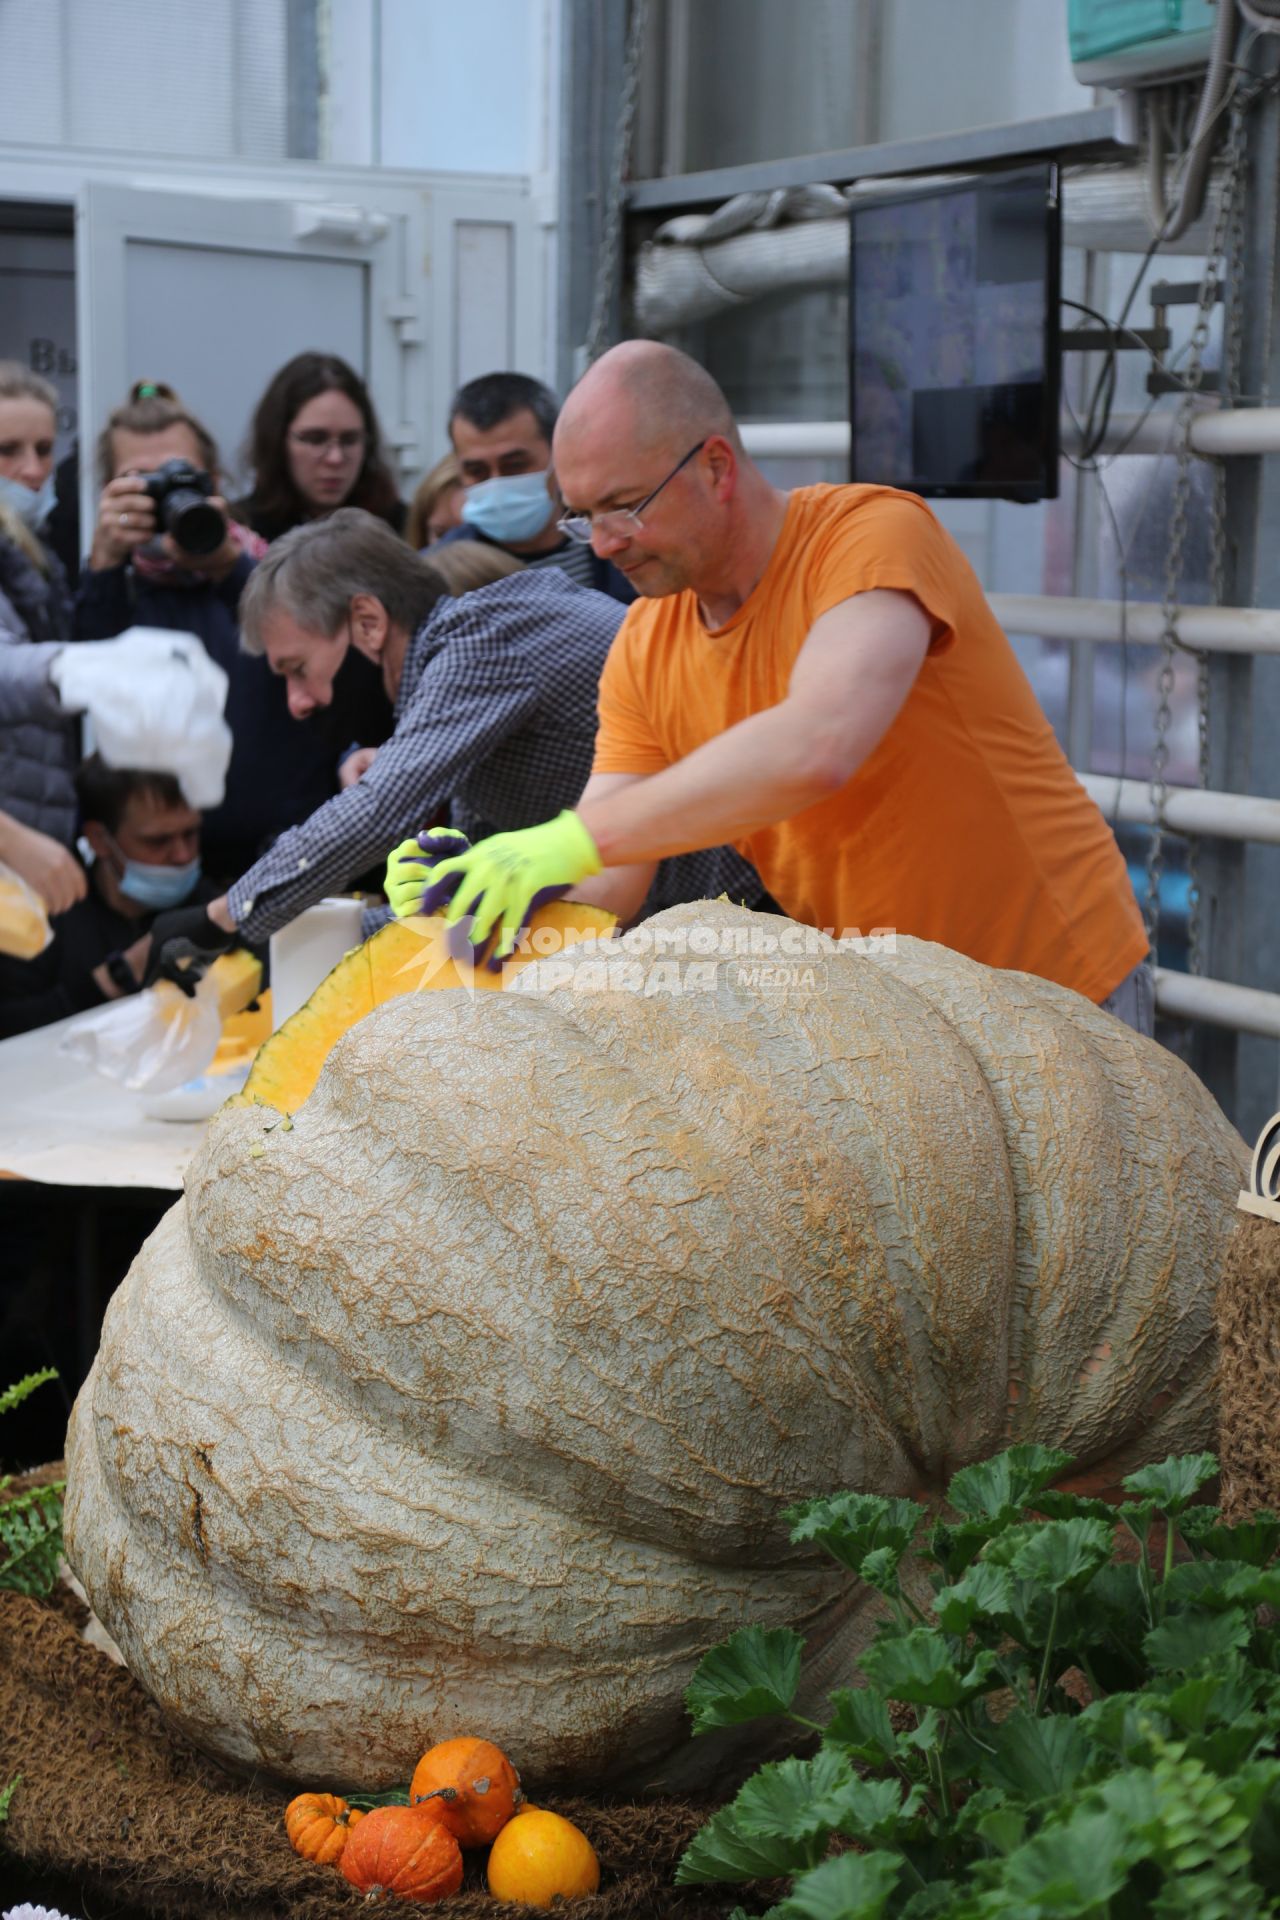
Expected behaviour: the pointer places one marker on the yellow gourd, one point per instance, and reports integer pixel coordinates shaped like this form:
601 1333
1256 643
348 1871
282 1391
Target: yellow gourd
540 1857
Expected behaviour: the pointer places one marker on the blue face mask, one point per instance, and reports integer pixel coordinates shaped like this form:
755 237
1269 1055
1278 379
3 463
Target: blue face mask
512 509
33 509
158 887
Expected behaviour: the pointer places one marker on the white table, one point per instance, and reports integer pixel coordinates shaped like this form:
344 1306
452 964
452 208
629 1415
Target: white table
66 1126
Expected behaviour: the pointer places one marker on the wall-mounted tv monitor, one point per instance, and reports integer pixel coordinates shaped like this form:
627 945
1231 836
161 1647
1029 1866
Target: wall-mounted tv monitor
954 353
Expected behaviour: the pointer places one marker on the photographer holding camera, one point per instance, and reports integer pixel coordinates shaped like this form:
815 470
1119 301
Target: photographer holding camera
166 553
151 449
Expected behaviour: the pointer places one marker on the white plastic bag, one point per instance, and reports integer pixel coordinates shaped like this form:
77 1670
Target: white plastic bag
155 700
152 1041
24 923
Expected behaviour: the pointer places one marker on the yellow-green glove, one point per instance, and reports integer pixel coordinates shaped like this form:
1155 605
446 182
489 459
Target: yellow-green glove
501 881
411 868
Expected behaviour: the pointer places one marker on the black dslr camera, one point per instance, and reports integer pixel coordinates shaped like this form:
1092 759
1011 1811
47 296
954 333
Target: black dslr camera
181 493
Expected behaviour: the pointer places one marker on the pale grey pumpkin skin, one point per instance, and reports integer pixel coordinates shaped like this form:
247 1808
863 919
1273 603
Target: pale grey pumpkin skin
470 1403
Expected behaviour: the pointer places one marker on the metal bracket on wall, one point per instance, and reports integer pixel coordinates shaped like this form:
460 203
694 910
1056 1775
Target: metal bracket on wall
1178 293
314 220
1095 133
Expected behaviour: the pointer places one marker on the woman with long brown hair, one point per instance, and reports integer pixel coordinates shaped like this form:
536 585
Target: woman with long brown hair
315 445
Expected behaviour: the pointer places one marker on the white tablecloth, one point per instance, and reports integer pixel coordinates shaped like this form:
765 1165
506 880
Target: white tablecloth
63 1124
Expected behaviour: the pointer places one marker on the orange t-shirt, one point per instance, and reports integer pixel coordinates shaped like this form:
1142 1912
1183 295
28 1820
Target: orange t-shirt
965 824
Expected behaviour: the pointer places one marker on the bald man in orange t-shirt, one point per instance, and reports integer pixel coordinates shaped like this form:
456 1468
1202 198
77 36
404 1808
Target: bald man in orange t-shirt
817 678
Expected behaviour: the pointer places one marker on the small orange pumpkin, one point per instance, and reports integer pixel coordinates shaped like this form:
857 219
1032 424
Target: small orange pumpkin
470 1785
405 1851
319 1824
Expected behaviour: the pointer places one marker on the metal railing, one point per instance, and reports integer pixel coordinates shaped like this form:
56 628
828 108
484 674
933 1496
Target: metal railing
1230 630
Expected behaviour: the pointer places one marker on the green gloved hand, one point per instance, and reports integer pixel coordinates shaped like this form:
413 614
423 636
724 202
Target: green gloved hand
501 881
411 867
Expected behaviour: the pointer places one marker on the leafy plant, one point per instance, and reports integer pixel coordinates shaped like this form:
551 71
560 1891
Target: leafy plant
1093 1735
31 1521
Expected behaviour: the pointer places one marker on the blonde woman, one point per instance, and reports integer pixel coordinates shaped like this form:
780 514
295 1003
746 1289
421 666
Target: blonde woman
39 745
436 507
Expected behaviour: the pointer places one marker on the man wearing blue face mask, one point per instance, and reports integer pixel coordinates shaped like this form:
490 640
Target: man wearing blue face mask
145 840
501 427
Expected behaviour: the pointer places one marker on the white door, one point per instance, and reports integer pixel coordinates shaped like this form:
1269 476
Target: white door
212 293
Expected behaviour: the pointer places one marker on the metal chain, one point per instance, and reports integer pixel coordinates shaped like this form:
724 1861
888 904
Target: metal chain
1216 265
611 234
1232 340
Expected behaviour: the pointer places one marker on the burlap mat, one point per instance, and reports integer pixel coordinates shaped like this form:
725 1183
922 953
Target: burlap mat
1248 1315
112 1799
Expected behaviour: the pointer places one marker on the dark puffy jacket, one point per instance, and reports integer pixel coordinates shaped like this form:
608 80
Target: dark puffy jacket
281 769
39 745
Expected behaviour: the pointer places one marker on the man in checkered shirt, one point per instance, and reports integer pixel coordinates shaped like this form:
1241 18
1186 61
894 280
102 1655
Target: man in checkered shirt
495 712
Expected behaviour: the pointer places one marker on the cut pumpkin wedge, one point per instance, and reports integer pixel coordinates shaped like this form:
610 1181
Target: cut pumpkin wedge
406 956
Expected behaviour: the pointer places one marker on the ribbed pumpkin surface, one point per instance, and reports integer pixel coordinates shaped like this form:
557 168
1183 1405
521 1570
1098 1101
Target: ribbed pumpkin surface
406 956
471 1401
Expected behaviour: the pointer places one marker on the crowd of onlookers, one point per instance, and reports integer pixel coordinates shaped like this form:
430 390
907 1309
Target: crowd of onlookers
108 848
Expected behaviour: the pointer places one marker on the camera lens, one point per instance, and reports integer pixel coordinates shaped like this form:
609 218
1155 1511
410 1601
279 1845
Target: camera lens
196 526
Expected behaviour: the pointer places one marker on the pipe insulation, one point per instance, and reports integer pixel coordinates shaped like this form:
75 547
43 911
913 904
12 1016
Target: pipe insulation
699 265
1192 810
1140 622
1214 430
1218 1003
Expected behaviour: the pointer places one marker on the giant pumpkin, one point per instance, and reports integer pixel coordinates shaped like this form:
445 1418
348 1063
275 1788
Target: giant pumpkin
470 1402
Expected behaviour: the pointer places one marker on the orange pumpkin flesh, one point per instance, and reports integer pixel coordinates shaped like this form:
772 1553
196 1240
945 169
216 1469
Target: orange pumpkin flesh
319 1825
470 1786
402 1851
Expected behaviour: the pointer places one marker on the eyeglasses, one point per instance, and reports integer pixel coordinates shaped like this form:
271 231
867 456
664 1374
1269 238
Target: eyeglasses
316 440
620 521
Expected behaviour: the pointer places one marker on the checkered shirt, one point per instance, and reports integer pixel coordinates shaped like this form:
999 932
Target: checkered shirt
497 714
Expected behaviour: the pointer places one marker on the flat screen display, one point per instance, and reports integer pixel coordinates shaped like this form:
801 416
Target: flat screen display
954 342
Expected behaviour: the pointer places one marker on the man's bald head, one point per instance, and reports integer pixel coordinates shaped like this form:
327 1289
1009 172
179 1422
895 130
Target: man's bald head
649 397
646 452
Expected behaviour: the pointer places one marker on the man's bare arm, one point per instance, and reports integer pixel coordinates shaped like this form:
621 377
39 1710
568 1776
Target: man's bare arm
847 687
619 890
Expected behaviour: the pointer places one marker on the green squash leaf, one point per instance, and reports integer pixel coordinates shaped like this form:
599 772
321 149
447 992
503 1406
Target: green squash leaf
1033 1758
1006 1482
857 1886
793 1799
1174 1483
1073 1868
956 1547
990 1817
721 1851
939 1897
852 1525
753 1673
876 1810
1056 1505
880 1569
983 1591
1225 1749
1211 1698
1253 1542
1123 1726
918 1667
860 1726
1186 1639
1062 1556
